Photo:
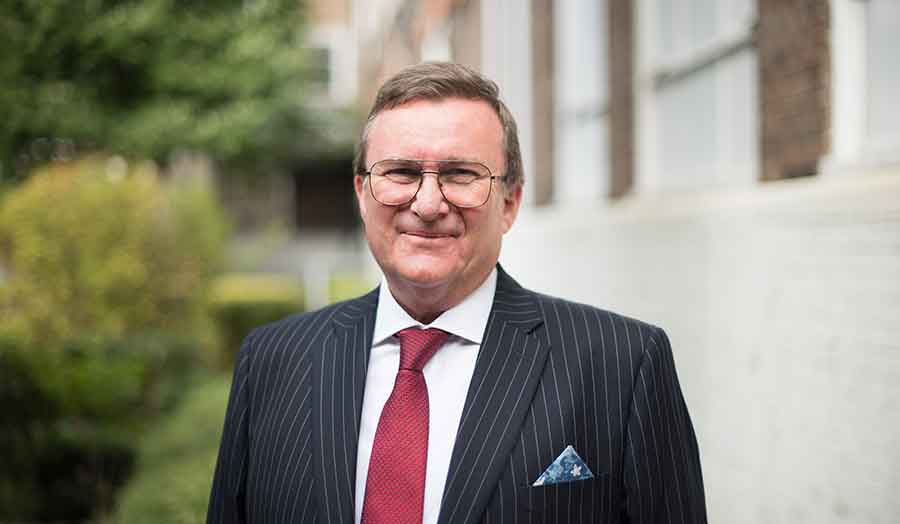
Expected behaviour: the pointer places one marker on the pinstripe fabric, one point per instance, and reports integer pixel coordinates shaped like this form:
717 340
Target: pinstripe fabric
549 373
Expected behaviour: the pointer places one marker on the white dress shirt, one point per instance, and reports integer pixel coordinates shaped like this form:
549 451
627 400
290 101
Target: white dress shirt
447 375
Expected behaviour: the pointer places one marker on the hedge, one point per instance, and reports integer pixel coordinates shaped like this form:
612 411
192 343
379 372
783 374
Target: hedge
240 302
103 321
176 461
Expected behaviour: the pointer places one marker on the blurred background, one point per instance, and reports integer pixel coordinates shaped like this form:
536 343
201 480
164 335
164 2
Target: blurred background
174 173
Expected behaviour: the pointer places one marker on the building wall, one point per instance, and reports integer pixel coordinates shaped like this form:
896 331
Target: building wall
782 307
780 297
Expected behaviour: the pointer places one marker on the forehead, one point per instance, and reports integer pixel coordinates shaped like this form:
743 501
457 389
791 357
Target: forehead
451 128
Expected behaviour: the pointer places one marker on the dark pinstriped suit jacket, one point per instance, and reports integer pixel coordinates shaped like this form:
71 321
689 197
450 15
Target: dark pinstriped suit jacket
549 373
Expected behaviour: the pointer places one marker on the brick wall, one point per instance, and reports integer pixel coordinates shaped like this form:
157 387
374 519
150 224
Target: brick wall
465 35
329 11
541 173
620 14
794 75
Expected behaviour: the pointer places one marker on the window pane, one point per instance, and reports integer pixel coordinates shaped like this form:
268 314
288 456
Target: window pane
580 56
883 33
703 22
687 119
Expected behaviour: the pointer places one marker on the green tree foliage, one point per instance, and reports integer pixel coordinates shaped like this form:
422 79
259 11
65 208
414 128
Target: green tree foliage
145 78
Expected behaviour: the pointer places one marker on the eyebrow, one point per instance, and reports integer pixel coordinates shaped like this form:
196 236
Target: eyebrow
446 159
451 158
464 159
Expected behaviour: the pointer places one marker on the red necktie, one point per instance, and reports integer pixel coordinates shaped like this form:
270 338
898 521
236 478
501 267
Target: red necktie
395 486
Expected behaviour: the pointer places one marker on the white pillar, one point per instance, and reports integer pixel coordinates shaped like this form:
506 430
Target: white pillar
506 59
848 83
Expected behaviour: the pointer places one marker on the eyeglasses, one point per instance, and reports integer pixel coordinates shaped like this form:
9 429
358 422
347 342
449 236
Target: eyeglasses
395 182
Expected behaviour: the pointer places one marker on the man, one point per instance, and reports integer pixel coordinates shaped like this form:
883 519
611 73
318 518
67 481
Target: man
451 394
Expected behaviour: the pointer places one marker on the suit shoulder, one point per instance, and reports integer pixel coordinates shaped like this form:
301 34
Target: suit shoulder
554 308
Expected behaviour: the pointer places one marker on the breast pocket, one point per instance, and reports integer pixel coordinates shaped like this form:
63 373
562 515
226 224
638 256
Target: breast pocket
575 501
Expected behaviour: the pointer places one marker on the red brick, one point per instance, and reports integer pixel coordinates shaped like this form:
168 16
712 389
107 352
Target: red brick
794 69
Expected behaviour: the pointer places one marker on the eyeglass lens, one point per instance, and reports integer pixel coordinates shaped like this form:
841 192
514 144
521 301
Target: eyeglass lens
463 184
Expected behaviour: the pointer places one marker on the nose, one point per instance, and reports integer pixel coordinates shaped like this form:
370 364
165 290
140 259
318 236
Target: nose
429 203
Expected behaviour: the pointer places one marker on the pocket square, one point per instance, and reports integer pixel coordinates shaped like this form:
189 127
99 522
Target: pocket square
567 467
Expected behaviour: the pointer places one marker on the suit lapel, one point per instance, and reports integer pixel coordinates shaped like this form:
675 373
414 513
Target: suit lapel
339 371
510 363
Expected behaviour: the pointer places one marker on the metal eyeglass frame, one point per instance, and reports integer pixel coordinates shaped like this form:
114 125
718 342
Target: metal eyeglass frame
491 177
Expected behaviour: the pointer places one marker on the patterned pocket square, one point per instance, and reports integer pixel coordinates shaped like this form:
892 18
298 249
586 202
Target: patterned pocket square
567 467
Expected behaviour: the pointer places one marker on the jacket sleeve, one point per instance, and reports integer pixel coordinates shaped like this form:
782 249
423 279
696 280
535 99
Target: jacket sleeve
663 481
227 499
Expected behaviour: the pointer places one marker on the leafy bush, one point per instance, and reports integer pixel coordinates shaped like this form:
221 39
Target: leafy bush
102 248
176 461
25 412
344 286
69 418
102 321
241 302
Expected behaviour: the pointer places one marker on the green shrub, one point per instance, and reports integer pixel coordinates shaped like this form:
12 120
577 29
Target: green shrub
176 461
344 286
241 302
25 413
103 248
103 321
69 419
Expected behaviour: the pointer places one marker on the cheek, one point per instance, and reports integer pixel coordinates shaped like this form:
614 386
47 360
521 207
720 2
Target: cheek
378 224
481 232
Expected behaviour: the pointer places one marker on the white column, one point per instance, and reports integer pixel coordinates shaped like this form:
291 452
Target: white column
646 154
581 117
506 59
848 83
882 82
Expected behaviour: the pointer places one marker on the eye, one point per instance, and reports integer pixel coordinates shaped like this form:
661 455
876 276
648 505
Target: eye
458 175
402 174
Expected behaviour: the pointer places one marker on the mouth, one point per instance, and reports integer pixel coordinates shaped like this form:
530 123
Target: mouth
427 234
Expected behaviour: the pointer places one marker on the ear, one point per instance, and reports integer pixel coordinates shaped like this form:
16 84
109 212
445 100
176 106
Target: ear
511 201
359 185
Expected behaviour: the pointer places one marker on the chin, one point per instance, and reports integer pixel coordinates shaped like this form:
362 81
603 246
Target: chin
425 273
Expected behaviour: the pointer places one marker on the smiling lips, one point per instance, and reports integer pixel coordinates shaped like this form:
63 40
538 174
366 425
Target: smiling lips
427 234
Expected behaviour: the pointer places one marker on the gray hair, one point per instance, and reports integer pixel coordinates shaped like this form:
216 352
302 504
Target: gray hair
438 81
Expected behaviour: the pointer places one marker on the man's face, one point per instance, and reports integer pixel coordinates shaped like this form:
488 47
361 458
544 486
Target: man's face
428 242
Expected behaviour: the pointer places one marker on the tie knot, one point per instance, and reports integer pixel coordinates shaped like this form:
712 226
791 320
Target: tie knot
417 346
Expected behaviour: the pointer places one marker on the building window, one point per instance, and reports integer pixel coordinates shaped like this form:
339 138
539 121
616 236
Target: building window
882 42
582 94
698 101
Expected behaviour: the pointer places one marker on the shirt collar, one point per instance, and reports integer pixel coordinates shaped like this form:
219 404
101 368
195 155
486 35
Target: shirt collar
467 319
